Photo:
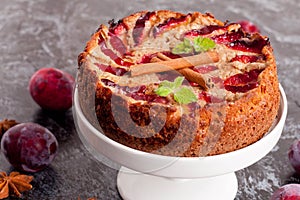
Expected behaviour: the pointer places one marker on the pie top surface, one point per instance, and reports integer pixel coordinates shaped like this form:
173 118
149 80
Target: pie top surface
117 51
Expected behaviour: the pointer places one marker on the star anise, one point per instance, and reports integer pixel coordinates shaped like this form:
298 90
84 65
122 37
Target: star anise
5 125
15 183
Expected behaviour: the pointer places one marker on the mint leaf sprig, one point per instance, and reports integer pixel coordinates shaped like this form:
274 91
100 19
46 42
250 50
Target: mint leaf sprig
202 44
184 47
197 45
182 94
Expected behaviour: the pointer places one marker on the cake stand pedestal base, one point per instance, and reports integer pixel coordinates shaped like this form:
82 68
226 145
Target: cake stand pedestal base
134 185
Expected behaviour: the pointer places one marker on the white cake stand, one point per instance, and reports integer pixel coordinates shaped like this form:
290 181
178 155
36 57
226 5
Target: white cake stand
146 176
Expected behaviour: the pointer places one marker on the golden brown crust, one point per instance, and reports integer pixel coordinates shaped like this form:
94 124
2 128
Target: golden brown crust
246 119
86 81
250 117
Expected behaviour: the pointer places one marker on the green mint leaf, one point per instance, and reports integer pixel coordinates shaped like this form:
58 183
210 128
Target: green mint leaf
185 96
199 44
183 47
172 85
202 44
178 82
166 83
182 94
165 88
163 91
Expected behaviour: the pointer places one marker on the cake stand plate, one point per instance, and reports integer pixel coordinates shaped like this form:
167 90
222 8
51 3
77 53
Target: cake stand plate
146 176
134 185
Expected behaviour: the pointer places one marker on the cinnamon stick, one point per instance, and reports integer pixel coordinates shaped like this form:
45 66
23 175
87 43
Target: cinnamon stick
175 64
188 73
193 76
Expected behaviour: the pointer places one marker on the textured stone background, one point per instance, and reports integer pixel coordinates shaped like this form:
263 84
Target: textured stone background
51 33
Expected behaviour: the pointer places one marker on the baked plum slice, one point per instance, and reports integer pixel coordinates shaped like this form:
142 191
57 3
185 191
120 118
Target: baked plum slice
113 56
113 70
253 45
137 92
169 23
228 37
237 40
204 31
246 58
117 28
248 26
117 44
138 30
208 98
242 82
